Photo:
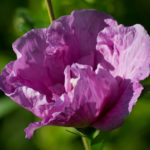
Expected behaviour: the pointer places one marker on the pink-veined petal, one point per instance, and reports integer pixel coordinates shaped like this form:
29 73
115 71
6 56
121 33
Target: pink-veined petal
126 49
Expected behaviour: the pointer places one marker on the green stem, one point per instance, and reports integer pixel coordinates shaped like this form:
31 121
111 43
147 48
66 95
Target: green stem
50 10
85 143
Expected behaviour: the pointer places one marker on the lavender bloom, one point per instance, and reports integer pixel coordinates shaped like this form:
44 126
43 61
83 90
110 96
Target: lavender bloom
84 70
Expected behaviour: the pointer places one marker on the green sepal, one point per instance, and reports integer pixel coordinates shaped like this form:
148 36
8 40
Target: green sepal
95 138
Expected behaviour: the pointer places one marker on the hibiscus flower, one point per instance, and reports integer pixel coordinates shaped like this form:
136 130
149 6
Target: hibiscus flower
82 71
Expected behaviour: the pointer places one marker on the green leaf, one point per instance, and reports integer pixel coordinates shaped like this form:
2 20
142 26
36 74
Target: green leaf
146 89
23 21
6 106
97 142
87 132
97 146
5 59
93 137
102 135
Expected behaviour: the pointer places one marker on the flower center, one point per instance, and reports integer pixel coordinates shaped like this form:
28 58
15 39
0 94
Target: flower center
74 81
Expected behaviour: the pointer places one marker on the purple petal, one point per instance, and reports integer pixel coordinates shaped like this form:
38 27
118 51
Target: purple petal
34 64
25 96
5 79
100 92
51 112
64 78
31 128
127 49
21 94
77 108
76 34
129 93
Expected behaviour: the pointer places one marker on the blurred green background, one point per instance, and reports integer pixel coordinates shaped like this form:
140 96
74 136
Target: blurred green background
19 16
